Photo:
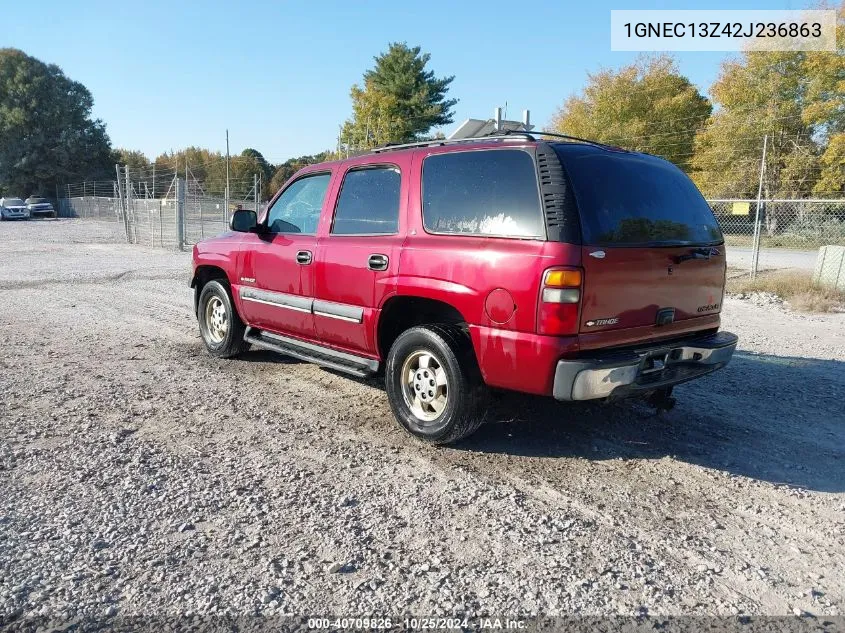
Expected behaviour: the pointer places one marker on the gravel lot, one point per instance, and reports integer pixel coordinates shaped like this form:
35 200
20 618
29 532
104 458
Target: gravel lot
140 476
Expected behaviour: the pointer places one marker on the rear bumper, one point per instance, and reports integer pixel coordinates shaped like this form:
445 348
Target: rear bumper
623 373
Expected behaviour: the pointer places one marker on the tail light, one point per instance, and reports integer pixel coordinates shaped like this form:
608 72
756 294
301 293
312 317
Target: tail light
560 301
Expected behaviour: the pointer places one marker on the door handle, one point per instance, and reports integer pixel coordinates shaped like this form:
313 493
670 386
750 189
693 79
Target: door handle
303 257
377 262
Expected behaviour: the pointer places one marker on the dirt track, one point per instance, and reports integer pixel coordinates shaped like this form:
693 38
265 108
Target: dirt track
138 475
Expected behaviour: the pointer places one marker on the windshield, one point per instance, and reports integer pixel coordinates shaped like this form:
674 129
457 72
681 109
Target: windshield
631 199
13 202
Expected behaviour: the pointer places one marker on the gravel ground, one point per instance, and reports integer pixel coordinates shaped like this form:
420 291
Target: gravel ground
140 476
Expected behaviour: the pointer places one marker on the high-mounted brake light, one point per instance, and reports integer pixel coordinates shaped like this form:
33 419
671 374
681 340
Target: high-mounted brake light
560 298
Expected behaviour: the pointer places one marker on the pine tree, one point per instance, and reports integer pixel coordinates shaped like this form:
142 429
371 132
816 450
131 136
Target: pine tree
400 100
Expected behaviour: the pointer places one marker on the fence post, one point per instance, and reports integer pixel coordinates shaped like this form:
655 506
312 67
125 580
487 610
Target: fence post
130 222
180 213
755 247
226 192
121 206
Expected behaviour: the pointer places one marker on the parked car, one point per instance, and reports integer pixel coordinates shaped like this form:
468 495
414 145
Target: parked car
567 269
40 207
13 209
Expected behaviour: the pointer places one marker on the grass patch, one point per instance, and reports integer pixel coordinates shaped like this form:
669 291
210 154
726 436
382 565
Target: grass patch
795 287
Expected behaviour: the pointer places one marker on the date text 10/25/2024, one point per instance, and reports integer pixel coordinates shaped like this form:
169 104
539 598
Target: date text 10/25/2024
417 623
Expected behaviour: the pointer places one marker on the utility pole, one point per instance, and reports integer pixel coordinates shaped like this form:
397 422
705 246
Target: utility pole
255 191
154 180
755 249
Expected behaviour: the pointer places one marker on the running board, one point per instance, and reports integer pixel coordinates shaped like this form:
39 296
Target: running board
324 356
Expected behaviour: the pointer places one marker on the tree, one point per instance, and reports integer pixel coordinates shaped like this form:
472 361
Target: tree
760 94
131 157
47 135
832 162
206 169
287 169
646 106
265 170
825 72
400 100
797 99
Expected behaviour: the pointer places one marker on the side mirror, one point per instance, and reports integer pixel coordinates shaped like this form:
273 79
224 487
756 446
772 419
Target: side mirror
244 221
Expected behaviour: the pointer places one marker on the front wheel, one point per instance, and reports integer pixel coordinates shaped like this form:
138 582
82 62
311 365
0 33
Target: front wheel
433 384
220 326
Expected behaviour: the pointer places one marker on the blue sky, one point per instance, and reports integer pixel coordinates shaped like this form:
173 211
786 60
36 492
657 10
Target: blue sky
277 74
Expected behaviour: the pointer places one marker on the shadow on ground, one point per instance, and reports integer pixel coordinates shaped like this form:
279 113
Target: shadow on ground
771 418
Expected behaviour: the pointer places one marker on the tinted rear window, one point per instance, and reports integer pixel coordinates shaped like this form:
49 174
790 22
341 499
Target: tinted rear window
629 199
487 192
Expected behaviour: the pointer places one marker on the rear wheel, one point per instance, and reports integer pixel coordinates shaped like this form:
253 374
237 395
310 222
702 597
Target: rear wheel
433 384
220 326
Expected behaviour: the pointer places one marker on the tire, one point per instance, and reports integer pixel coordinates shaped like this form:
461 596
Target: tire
426 408
221 328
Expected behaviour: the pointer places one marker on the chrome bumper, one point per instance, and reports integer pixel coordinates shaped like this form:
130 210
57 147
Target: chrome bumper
623 373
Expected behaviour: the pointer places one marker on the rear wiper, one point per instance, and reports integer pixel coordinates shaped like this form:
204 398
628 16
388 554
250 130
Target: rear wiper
696 253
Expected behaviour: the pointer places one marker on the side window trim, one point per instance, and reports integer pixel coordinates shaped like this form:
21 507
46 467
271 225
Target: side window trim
527 150
278 196
366 167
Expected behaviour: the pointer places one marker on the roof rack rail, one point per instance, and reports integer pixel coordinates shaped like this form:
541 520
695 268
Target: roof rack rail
507 134
445 141
568 137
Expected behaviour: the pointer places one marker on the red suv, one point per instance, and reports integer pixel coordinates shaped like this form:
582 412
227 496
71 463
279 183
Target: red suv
568 269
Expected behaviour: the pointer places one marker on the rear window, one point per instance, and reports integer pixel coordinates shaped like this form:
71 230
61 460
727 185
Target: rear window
487 192
629 199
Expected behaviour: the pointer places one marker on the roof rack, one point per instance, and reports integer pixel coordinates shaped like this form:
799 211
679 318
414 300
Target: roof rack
445 141
507 134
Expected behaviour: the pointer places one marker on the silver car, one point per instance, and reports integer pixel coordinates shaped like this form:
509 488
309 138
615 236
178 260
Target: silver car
40 207
13 209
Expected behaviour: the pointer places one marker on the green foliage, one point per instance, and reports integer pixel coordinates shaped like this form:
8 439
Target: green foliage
287 169
130 157
256 159
759 94
798 100
400 100
47 135
646 106
832 164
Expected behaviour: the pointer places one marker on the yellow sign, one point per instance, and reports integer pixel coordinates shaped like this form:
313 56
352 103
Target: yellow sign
741 208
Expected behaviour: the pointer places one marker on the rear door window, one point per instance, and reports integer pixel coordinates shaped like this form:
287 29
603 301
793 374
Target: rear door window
631 199
368 202
487 192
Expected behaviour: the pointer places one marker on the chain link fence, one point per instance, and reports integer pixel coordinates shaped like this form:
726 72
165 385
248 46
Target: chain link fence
783 234
162 210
